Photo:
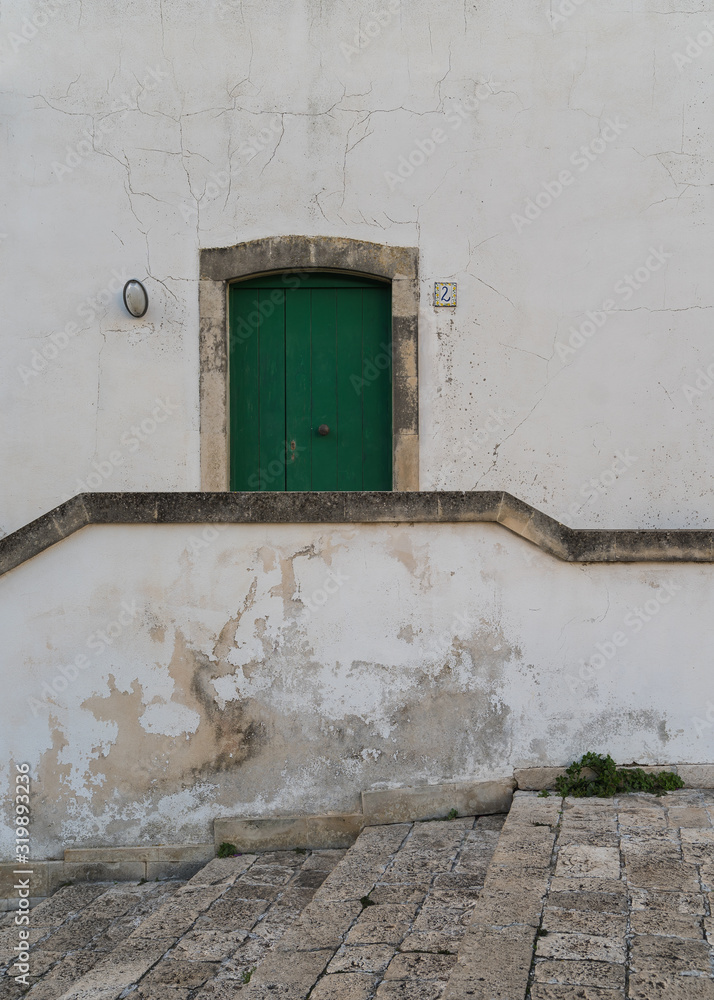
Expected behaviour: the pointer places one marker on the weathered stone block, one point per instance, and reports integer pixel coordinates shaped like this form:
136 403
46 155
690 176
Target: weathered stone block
598 924
12 874
289 832
602 975
172 869
373 958
535 779
696 775
345 986
541 992
115 871
581 947
400 805
113 855
493 964
287 974
575 861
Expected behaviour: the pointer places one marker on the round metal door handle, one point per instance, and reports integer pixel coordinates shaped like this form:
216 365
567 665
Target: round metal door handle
323 429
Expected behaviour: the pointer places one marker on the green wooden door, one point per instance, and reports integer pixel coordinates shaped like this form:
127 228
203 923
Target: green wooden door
310 383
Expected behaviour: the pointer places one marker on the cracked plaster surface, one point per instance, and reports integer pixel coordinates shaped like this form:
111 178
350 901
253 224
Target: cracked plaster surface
261 124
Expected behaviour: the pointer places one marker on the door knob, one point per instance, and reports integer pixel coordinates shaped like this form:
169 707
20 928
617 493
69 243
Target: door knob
323 429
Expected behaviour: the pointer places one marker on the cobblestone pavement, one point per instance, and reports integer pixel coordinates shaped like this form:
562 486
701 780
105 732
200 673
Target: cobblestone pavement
575 899
385 918
598 899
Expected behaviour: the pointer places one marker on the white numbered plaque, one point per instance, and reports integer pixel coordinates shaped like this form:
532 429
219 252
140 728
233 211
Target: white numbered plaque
445 293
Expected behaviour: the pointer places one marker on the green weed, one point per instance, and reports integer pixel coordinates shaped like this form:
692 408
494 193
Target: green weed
612 780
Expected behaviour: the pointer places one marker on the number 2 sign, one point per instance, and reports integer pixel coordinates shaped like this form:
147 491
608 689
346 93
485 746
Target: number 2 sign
445 293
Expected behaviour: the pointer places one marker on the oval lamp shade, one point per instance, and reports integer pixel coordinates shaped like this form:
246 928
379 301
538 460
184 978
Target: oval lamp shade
136 298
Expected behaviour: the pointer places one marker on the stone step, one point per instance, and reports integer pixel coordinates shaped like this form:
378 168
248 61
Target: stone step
386 923
496 954
164 940
604 899
74 930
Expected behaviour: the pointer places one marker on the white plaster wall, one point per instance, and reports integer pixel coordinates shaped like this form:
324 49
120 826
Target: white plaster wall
237 685
336 118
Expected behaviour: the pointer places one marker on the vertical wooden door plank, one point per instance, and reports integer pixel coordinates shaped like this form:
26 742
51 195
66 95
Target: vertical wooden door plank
349 389
377 391
297 389
272 390
324 388
244 428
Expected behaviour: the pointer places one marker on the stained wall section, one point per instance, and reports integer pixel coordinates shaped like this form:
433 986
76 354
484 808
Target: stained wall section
160 676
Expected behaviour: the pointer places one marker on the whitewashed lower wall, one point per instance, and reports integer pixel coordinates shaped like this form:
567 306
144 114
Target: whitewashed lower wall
156 677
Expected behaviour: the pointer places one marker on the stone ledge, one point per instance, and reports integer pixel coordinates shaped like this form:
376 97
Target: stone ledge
695 775
103 864
379 807
433 507
536 779
162 852
286 833
406 805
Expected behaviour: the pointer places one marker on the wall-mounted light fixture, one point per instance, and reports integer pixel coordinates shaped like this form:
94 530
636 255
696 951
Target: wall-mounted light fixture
136 298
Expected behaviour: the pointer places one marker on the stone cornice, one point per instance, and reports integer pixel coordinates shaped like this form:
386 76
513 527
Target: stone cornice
569 544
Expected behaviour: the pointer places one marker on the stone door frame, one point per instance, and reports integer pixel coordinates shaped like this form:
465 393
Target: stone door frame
218 267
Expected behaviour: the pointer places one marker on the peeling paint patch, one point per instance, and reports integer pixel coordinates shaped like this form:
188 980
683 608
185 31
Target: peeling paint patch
169 719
